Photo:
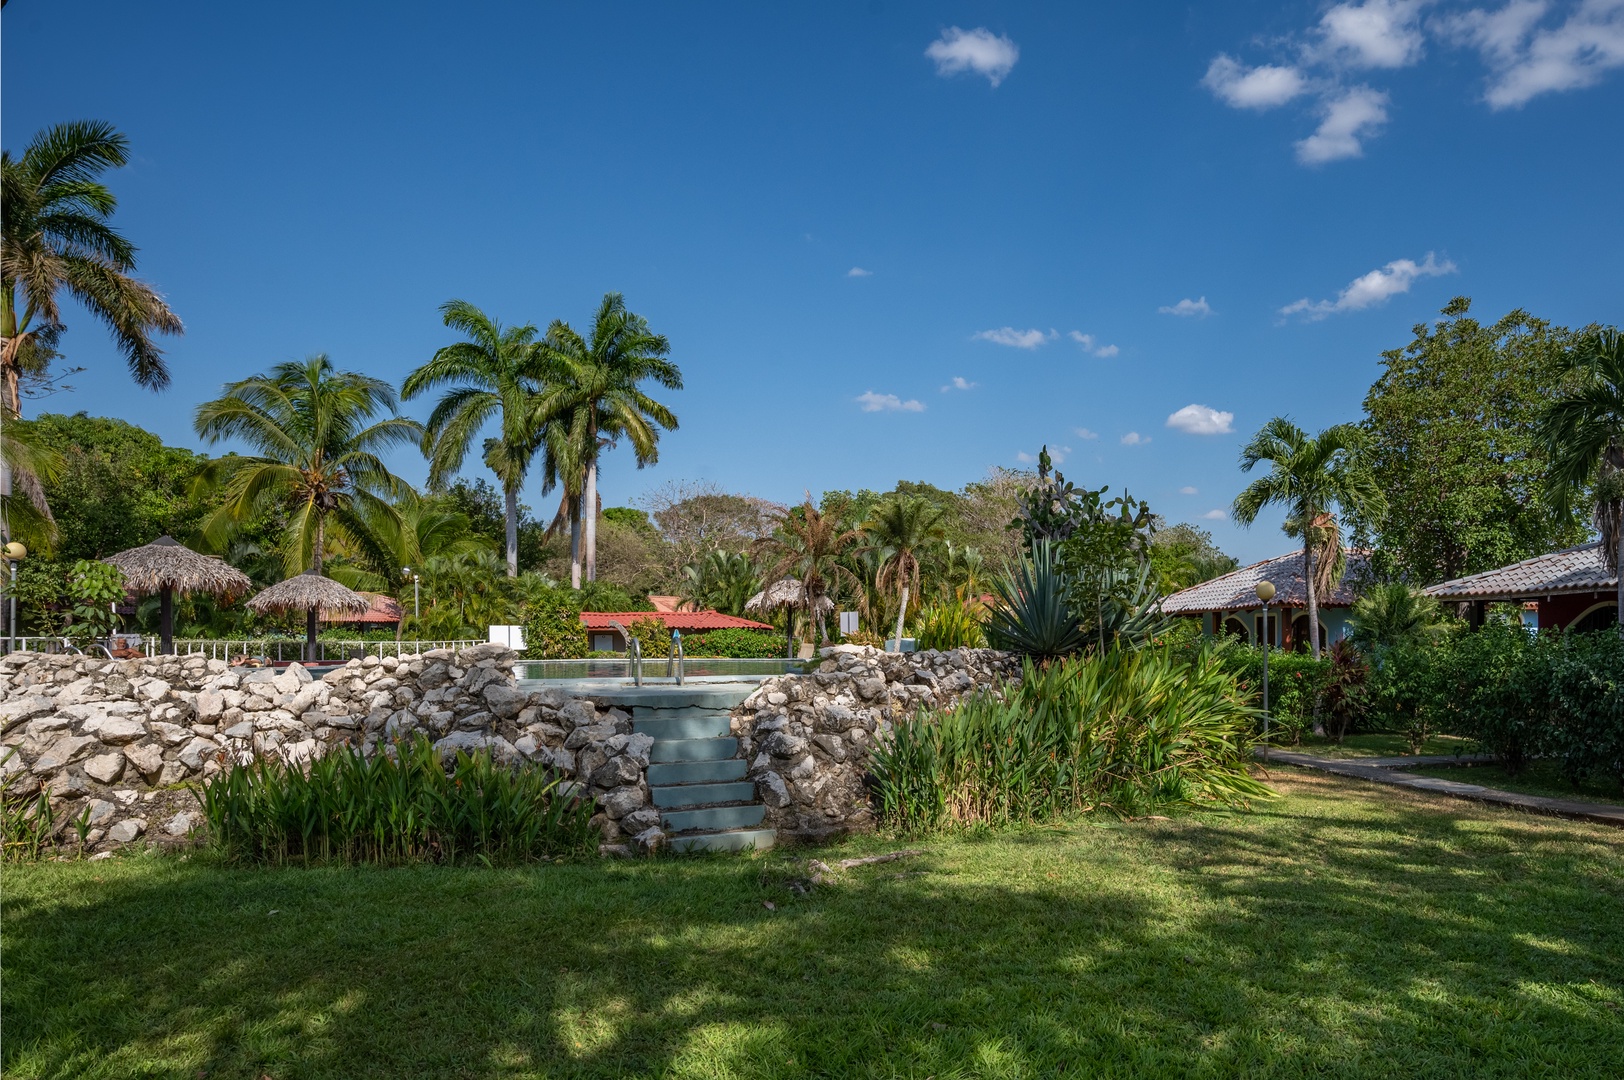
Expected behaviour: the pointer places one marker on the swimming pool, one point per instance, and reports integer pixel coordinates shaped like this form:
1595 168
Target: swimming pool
618 669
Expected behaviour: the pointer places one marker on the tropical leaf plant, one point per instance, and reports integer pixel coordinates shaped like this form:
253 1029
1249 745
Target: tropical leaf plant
1033 611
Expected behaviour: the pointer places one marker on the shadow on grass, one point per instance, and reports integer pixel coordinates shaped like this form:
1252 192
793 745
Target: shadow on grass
1343 932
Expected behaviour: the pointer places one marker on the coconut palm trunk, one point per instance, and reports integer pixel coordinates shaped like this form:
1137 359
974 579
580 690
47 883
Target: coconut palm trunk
511 524
589 528
575 548
902 612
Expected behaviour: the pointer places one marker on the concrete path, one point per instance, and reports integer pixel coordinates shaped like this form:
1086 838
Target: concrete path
1387 770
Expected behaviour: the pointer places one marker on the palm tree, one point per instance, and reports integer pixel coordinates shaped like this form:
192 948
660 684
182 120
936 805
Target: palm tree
318 447
722 581
906 525
55 237
1309 475
493 375
1395 614
595 398
1583 432
808 547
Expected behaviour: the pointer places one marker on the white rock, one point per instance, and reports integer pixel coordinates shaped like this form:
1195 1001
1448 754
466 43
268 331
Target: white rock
127 830
193 753
99 810
105 768
117 730
181 824
146 758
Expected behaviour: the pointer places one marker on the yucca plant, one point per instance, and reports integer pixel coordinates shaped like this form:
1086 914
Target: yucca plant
1119 730
1033 612
402 804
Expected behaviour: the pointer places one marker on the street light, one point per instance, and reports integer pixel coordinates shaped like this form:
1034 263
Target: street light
15 553
1265 593
415 597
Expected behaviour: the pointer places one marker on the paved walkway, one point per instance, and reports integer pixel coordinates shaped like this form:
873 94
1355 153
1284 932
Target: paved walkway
1387 770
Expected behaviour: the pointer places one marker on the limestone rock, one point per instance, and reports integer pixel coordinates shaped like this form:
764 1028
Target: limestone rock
127 830
105 768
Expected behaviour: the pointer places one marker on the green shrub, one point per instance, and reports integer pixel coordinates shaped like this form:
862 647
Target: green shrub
1123 730
399 806
735 642
1296 681
552 626
653 636
947 625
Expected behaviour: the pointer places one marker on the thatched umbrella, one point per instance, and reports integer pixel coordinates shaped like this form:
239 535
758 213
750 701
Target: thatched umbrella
788 592
166 567
310 593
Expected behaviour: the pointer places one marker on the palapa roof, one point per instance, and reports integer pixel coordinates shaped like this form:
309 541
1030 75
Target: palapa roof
1237 590
686 621
381 609
166 563
1574 570
308 590
786 592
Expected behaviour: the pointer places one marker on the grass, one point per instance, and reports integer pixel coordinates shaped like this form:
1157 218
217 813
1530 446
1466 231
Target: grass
1344 930
1542 777
1358 746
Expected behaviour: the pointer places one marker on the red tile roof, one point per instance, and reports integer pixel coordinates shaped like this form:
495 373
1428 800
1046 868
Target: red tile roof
686 621
1236 590
383 610
1576 570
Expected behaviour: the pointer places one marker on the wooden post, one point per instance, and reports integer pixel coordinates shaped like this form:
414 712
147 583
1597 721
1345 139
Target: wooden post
166 622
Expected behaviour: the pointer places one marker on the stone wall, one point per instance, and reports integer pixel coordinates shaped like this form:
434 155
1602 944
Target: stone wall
122 738
807 737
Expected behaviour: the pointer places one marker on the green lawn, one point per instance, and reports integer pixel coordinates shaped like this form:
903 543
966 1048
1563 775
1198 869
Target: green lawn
1536 778
1357 746
1346 930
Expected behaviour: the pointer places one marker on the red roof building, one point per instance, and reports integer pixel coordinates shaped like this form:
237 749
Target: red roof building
1571 589
383 612
602 637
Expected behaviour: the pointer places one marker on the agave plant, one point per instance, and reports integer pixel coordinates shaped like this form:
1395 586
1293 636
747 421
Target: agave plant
1127 618
1033 613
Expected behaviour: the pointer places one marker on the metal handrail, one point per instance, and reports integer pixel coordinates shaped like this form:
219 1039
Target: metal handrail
634 652
674 655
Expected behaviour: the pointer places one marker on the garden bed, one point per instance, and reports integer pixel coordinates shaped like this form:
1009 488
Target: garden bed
1343 930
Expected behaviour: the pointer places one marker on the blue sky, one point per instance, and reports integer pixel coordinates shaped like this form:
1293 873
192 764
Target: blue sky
837 211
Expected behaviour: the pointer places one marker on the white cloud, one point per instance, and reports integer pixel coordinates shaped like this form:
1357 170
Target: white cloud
1371 289
1026 459
1057 455
1089 344
1084 433
1358 114
858 271
1216 515
1187 308
872 402
1262 87
978 50
1188 490
1527 60
960 383
1133 438
1019 339
1200 420
1374 34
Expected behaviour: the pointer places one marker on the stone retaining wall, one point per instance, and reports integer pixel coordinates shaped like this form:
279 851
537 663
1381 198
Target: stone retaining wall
120 738
807 737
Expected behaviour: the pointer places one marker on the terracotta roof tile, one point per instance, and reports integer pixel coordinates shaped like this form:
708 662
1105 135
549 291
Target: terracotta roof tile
1575 570
1235 591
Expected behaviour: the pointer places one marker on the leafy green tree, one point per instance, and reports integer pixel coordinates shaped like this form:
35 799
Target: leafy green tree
93 588
1582 430
594 397
318 445
494 375
55 239
1454 448
1183 555
483 507
1308 476
721 581
905 526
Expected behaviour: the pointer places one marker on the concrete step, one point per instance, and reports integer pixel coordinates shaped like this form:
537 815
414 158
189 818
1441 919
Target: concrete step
712 818
698 772
697 695
692 713
693 749
699 727
728 840
703 794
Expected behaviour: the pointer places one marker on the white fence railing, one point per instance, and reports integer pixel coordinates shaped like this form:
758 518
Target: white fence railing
274 650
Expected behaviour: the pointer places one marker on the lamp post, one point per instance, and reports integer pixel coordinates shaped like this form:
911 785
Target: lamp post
416 597
15 553
1265 593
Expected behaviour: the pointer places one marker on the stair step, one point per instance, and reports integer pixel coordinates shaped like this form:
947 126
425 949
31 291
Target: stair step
713 818
699 695
692 749
698 772
702 794
727 840
699 727
695 712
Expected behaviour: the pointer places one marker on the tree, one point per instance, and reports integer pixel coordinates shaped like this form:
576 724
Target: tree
494 375
721 581
1308 476
318 448
1183 555
1582 430
1394 615
906 526
595 398
1454 448
695 518
55 238
808 547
